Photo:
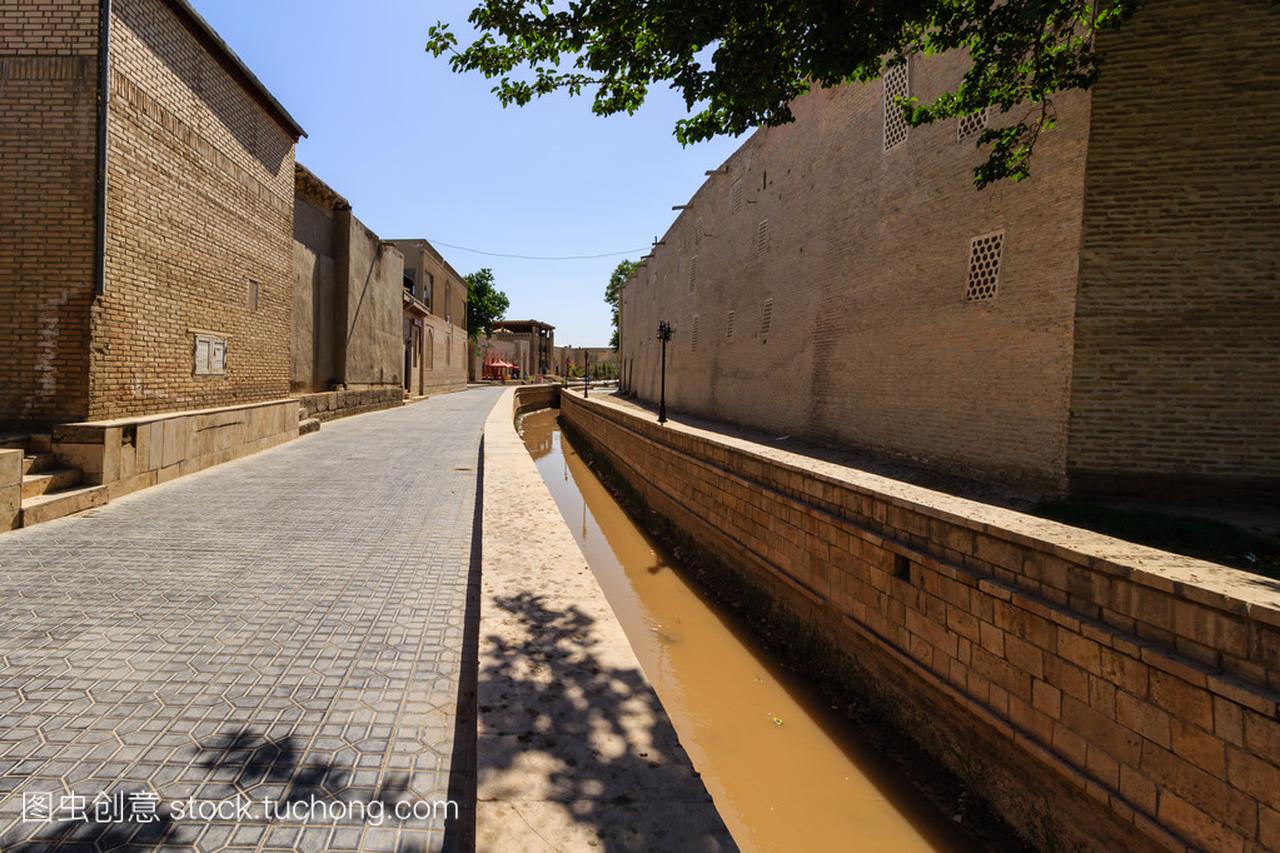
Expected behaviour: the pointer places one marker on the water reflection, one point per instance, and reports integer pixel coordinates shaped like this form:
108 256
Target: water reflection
787 772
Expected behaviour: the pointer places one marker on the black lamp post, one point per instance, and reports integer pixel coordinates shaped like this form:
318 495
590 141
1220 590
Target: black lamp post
586 374
664 335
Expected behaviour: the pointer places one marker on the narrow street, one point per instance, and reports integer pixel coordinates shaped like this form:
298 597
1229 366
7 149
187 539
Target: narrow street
285 625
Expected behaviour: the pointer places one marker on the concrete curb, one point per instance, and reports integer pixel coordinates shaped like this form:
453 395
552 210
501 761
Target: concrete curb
574 750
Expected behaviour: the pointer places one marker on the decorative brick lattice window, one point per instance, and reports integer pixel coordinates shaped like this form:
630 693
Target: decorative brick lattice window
762 237
897 84
766 318
971 124
735 196
984 266
728 327
693 335
693 273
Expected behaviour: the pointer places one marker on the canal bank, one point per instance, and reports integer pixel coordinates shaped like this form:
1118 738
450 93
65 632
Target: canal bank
786 769
1101 695
573 748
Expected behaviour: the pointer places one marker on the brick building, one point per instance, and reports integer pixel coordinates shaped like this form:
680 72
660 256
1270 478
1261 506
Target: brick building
541 338
176 295
145 249
1110 325
434 339
347 285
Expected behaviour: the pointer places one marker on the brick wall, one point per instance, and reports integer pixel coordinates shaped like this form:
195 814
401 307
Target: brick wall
48 120
1096 692
1178 320
859 258
200 204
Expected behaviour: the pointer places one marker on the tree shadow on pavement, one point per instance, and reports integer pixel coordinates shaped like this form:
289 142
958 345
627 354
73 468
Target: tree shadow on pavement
240 761
558 724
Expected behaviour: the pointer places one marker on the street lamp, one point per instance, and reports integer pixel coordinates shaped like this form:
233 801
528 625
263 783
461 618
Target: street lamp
664 335
586 373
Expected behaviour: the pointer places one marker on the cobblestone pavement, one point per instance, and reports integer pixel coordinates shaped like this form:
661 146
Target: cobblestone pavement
288 626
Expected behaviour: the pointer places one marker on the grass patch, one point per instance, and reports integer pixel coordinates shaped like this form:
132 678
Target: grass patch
1204 538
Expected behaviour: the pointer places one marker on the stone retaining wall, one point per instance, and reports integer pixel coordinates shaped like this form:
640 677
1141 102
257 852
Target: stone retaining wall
133 453
1099 694
331 405
10 488
530 398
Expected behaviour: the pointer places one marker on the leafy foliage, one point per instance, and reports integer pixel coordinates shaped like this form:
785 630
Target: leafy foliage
740 63
486 304
613 291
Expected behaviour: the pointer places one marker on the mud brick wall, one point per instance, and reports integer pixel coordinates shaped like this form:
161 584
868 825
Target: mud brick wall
48 117
817 288
1178 314
200 205
1096 692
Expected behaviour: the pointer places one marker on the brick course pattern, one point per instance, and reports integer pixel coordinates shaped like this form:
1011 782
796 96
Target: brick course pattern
1116 696
199 213
48 112
828 278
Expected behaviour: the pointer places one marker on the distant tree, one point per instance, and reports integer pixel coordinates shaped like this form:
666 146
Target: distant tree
613 292
486 304
740 63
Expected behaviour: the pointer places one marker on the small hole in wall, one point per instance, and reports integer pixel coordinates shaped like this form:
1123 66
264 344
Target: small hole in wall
901 567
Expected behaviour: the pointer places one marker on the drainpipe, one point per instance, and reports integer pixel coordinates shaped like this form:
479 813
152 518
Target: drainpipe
100 176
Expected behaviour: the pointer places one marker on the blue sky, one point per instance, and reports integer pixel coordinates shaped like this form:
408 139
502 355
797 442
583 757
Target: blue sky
423 152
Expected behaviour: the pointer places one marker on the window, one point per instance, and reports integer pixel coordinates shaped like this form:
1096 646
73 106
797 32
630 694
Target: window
411 281
984 266
967 126
210 355
252 292
762 237
766 318
897 84
728 327
427 290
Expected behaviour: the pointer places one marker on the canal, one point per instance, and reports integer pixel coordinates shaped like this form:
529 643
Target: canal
787 772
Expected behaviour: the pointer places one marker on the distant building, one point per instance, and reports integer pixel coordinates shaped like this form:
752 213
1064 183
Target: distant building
541 338
1108 326
435 320
346 300
175 293
597 359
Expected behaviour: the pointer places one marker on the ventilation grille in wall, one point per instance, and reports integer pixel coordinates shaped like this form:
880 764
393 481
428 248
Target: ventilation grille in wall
897 84
735 196
693 273
762 237
693 335
766 318
967 126
984 266
697 232
728 327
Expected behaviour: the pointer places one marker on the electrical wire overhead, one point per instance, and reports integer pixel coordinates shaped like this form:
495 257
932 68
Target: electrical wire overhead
535 257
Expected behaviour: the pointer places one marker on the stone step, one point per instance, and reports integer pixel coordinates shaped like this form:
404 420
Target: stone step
57 504
34 463
57 479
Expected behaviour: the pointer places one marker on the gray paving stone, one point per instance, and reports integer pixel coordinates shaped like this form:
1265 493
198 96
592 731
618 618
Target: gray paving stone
286 625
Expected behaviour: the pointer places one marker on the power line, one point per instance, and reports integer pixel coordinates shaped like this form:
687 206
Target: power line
536 257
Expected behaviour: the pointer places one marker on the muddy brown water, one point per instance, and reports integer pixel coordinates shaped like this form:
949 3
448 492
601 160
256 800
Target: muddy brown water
787 772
